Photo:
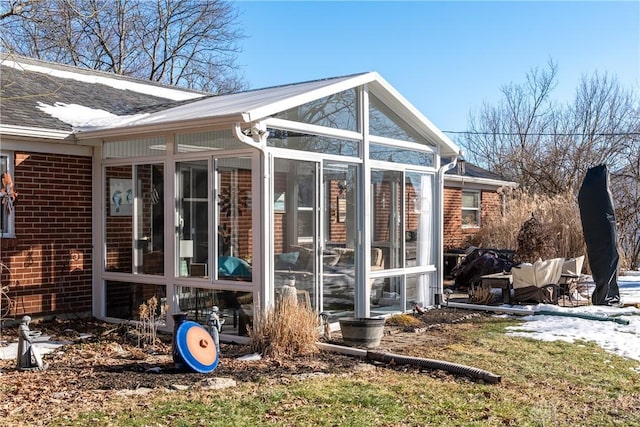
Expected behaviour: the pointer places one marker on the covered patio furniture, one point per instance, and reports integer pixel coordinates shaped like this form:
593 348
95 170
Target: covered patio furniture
537 282
571 270
501 280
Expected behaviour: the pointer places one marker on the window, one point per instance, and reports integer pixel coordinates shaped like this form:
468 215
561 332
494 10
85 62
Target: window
338 111
471 209
6 208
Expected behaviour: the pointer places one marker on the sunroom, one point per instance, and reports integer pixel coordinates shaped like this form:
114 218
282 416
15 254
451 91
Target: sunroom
333 187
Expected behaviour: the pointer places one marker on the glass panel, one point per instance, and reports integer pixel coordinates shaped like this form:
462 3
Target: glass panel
124 300
470 199
192 190
202 141
235 227
338 111
149 224
341 230
6 202
471 208
398 155
384 122
387 216
470 218
295 225
386 295
421 289
314 143
118 218
235 308
419 224
134 148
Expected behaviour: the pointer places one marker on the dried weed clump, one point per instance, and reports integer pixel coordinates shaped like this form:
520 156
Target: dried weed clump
482 296
404 321
289 328
560 213
147 326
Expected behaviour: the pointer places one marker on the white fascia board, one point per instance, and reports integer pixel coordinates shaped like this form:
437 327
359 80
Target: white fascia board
415 118
458 181
49 147
32 132
162 127
311 95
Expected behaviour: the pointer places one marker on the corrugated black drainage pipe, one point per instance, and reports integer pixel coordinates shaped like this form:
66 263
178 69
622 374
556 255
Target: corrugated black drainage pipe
453 368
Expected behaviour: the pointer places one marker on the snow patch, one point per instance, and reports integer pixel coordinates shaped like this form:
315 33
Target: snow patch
623 340
85 118
116 83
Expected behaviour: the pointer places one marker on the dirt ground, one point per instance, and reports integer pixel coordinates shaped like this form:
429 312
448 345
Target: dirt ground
81 375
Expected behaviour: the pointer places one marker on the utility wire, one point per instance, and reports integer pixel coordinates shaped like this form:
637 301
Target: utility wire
542 134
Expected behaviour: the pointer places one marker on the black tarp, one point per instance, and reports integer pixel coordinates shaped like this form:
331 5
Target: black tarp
599 229
478 263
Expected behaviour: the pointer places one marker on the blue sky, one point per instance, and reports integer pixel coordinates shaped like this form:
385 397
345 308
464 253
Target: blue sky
446 58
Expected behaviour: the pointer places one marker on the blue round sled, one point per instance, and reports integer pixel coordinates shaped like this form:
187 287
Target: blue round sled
196 347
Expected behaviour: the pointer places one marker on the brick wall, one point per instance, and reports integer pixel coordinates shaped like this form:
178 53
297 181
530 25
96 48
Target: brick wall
50 258
454 235
238 186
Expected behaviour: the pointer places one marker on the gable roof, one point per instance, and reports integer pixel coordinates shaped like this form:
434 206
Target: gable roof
258 104
92 104
29 86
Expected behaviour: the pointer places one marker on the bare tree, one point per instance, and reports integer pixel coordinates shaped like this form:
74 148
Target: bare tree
547 147
625 188
189 43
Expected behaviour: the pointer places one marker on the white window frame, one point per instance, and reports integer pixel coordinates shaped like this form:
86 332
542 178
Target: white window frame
475 209
10 231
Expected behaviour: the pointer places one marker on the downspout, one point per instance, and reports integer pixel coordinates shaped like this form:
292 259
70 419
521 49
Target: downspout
257 138
440 244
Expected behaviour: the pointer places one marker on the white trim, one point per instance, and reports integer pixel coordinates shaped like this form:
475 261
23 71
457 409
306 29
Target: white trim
33 132
458 181
401 144
287 153
98 288
175 125
53 147
477 209
439 204
401 167
311 95
290 125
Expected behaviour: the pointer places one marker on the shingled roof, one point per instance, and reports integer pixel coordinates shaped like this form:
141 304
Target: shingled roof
466 172
21 93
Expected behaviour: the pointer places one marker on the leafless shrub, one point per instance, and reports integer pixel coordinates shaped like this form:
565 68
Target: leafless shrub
560 213
482 295
287 329
534 241
147 326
